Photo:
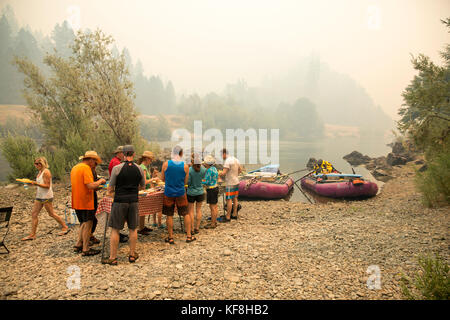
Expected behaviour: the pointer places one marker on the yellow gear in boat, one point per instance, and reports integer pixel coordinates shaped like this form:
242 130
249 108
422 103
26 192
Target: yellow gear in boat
324 168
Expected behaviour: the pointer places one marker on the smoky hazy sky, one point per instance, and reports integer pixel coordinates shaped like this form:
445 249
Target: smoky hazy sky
200 45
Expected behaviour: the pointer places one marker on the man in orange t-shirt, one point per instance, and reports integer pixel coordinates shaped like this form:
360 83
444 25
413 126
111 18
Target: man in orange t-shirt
83 187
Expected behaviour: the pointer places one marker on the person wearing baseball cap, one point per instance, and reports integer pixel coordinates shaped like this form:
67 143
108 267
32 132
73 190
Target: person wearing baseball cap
126 180
118 158
83 186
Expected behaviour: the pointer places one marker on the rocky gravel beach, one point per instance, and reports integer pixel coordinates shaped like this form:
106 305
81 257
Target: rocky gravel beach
275 250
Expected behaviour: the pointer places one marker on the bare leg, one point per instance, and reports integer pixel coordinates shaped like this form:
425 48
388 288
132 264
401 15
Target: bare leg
113 243
235 205
159 219
86 234
133 241
141 222
187 223
213 208
34 219
229 205
198 217
169 221
80 236
190 214
49 207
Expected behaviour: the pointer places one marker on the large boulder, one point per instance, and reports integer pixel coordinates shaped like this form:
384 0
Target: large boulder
356 158
396 159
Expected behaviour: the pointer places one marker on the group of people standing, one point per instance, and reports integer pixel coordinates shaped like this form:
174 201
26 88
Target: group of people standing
186 185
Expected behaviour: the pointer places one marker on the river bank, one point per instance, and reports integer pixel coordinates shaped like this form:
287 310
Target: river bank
276 250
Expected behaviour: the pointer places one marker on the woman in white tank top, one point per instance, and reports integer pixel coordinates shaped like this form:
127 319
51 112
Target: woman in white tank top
44 198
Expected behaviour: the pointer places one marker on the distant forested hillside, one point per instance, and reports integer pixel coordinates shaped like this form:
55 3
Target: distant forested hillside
152 95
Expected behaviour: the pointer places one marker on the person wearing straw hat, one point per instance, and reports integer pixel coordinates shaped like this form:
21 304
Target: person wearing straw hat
118 158
144 162
83 186
212 189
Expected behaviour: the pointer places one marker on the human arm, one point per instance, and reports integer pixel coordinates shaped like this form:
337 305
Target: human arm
112 182
163 170
186 177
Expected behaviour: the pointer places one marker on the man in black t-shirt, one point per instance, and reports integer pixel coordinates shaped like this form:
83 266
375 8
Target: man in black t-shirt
126 180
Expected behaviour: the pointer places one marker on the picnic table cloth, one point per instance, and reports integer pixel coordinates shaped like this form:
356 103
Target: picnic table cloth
149 204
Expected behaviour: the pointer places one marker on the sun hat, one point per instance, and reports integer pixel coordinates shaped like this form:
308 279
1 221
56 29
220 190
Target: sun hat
91 154
209 160
119 149
148 154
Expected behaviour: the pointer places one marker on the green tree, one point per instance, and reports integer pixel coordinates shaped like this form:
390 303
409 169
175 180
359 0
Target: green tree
425 119
88 95
425 115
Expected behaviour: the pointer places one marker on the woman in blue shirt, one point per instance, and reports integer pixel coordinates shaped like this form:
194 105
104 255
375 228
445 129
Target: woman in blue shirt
195 191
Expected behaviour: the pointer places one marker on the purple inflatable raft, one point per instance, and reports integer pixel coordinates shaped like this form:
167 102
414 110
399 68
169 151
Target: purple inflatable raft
265 190
340 185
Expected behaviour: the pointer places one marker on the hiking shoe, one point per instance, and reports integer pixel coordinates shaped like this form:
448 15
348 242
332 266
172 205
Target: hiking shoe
144 232
123 238
223 220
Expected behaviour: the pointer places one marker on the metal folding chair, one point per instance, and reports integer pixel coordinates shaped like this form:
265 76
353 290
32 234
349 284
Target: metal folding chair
5 216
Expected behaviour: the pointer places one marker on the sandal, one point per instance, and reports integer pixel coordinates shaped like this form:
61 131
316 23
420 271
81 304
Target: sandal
169 240
196 231
112 262
190 239
62 233
132 259
90 252
93 240
77 249
211 226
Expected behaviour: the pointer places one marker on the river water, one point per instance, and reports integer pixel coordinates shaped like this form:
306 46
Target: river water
293 156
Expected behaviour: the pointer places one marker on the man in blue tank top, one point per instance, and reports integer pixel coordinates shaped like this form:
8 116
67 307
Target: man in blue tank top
175 173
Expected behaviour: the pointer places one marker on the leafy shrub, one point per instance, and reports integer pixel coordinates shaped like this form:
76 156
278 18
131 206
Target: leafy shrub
430 283
434 183
20 152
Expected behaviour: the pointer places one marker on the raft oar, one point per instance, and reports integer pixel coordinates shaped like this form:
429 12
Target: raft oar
301 190
297 171
304 194
304 176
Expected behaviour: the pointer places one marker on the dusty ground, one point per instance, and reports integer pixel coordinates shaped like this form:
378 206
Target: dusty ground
276 250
